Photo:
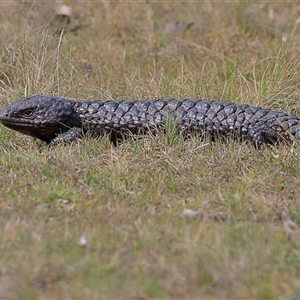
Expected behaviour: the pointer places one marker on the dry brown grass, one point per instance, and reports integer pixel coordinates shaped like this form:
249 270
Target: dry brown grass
89 220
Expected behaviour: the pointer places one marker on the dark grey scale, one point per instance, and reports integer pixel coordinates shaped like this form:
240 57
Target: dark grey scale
221 115
229 123
209 102
85 104
250 111
37 121
203 106
211 113
294 129
232 121
226 103
59 105
61 113
208 124
134 110
127 117
143 109
52 99
281 114
123 124
138 124
270 122
125 106
143 105
192 113
173 104
275 113
223 126
159 104
201 111
283 120
150 119
265 120
194 124
143 117
225 123
188 104
42 105
116 123
109 115
230 109
289 117
258 115
180 112
216 125
136 119
159 118
240 118
80 110
201 118
132 127
152 109
248 115
292 122
95 116
111 106
244 130
119 112
221 120
81 116
96 104
166 112
241 108
102 111
216 108
188 122
92 109
108 121
269 114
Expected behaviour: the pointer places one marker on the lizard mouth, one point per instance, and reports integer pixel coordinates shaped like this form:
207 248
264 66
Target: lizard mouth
35 130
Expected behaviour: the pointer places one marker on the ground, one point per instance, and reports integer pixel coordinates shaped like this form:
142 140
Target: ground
158 217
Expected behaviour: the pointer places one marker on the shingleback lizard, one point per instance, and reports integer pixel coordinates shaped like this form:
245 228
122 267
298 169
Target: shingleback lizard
55 120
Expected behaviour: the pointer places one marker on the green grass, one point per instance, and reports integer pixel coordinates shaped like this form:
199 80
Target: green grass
90 220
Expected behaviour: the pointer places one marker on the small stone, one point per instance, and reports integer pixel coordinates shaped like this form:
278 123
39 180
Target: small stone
191 213
42 208
82 241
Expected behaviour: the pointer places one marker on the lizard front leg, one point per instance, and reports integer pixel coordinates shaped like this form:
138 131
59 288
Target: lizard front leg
67 137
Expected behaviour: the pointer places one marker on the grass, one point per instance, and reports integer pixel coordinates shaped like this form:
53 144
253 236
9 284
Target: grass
90 220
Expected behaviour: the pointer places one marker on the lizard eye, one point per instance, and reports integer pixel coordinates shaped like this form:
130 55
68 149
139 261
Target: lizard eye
27 112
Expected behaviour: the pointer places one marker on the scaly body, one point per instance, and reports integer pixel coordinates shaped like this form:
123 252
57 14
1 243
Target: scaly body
54 119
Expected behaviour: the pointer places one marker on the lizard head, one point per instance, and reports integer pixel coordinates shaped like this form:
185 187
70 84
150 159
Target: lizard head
42 117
